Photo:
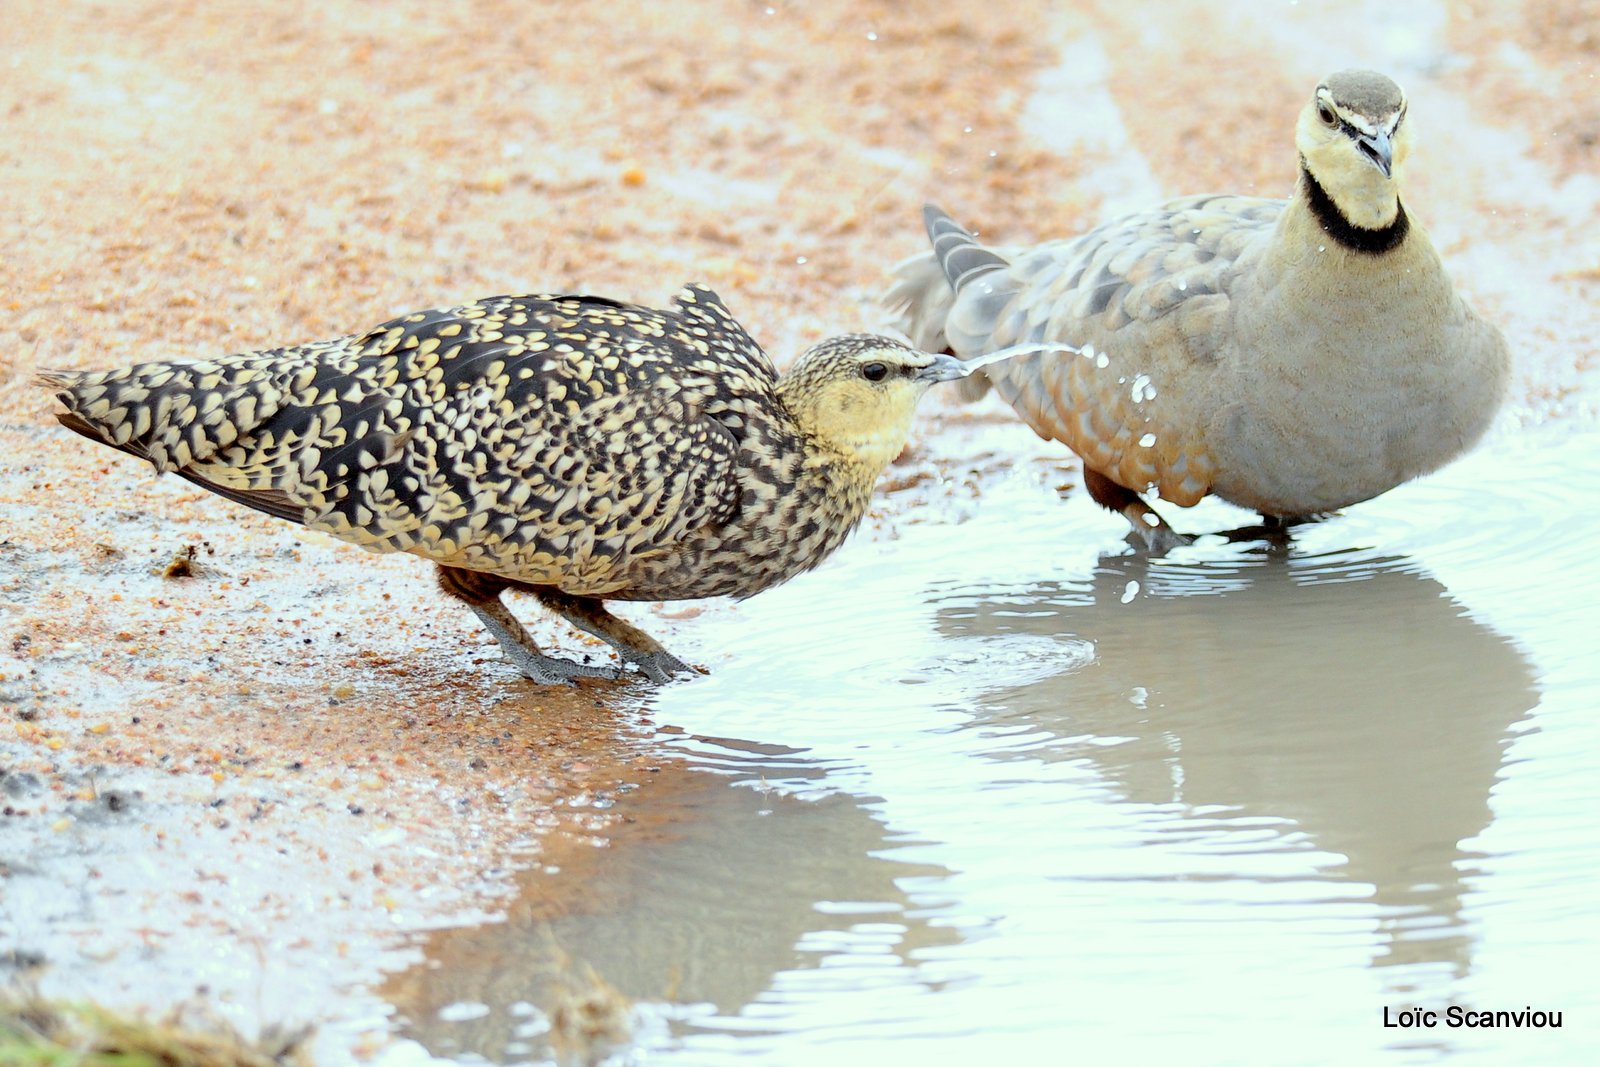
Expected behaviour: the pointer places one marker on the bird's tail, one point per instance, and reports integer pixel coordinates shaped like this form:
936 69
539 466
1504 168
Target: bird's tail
235 425
933 294
961 258
171 414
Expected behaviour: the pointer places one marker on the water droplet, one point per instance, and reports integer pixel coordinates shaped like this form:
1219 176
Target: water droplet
1139 696
1322 248
1183 284
871 36
993 153
463 1011
966 129
799 259
1131 591
1147 440
1101 360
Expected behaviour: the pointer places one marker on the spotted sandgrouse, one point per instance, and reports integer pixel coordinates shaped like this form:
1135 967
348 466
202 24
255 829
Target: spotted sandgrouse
1292 357
571 447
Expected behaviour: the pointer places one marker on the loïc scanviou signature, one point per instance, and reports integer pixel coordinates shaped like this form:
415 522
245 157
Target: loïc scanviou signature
1457 1016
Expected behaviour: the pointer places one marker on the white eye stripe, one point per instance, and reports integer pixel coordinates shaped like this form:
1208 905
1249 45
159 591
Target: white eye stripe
1360 123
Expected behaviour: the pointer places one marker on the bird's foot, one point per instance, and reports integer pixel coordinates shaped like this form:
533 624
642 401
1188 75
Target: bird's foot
1274 529
658 666
1276 535
1159 540
552 670
633 645
1150 530
520 649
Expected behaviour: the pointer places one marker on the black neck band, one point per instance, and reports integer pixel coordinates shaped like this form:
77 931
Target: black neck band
1347 233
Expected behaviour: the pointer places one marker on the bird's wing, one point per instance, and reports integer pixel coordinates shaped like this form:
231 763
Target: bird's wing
518 433
705 316
281 430
585 499
1145 298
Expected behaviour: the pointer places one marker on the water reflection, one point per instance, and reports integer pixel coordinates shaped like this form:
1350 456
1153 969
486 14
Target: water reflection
717 890
1164 806
1344 700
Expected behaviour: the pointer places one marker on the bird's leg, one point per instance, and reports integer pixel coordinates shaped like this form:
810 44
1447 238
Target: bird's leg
1158 537
1275 528
521 650
481 593
632 644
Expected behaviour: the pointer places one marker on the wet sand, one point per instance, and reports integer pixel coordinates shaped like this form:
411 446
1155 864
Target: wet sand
259 779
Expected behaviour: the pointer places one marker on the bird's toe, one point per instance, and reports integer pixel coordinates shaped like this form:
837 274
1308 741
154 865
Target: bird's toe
549 670
660 667
1159 540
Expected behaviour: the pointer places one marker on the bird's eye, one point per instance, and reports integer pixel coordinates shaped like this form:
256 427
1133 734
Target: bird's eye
1325 113
874 372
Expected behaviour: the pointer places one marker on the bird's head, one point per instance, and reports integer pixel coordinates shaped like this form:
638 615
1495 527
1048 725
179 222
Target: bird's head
857 393
1353 136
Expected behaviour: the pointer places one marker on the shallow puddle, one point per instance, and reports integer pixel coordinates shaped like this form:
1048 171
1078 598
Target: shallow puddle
1000 787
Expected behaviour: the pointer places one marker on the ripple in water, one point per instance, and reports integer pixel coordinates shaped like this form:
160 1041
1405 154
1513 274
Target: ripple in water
963 800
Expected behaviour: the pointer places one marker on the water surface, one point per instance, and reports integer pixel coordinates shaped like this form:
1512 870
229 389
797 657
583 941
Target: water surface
1003 788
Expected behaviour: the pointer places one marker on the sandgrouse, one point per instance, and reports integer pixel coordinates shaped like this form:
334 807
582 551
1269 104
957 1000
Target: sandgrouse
1292 357
571 447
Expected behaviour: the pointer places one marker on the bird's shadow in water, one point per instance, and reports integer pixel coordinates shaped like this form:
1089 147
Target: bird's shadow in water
703 893
1347 693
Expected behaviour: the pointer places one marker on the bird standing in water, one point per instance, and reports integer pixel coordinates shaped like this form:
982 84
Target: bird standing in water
571 447
1292 357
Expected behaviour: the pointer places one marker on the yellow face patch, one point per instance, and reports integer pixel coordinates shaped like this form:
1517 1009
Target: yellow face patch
856 395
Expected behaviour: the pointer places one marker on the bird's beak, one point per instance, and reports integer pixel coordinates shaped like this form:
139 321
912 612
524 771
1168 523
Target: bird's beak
1379 150
943 369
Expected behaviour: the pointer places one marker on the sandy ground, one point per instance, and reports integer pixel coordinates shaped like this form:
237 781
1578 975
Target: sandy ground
257 780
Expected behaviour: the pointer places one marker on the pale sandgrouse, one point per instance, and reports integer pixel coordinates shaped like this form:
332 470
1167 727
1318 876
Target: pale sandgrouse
1292 357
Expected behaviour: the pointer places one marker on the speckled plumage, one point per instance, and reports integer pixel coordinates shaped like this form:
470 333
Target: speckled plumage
1292 357
574 447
